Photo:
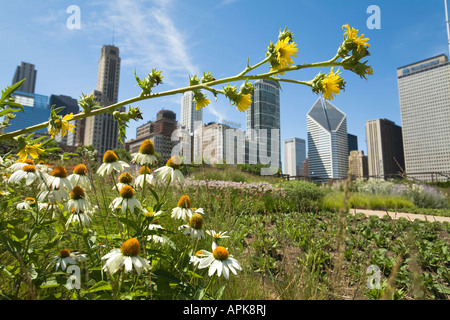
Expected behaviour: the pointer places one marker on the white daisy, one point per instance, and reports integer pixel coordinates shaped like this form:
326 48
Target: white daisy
111 162
83 217
220 261
28 172
128 256
58 179
126 200
194 227
196 258
183 209
78 200
170 172
146 154
65 258
27 204
217 235
125 179
144 176
79 177
19 165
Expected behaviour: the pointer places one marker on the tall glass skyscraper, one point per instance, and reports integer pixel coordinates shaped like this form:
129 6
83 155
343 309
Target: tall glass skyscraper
263 124
28 72
35 112
189 115
327 142
424 94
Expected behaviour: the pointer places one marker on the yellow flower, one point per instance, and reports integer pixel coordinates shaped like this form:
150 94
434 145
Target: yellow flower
200 100
331 85
244 102
62 126
32 150
352 35
285 51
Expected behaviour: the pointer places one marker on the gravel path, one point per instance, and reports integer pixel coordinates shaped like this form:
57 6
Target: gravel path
396 215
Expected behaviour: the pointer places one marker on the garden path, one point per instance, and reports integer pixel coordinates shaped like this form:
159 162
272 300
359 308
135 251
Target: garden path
396 215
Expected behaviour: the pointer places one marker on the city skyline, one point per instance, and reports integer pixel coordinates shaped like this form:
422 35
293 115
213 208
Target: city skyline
410 31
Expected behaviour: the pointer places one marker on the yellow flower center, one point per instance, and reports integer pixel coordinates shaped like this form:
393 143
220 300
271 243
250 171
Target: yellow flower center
64 253
174 162
147 147
41 162
59 172
131 248
220 253
198 253
30 201
127 192
28 161
125 178
77 193
110 157
145 170
184 202
196 221
80 170
29 168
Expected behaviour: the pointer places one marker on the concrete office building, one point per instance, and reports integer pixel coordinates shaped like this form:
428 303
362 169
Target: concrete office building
102 130
424 95
384 149
358 165
327 142
28 72
189 115
294 150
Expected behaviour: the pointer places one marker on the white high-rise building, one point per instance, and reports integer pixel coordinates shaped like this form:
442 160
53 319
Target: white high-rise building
294 150
424 94
327 142
190 116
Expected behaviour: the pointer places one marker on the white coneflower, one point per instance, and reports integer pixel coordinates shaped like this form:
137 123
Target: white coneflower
27 204
171 171
217 235
65 258
28 172
19 165
144 177
183 209
220 261
78 200
128 256
111 162
58 179
79 177
196 258
125 179
194 227
82 217
146 154
126 200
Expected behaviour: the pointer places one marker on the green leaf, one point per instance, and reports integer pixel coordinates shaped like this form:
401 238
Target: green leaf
99 286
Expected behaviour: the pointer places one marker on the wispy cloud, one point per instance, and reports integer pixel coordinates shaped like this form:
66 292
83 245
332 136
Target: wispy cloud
148 38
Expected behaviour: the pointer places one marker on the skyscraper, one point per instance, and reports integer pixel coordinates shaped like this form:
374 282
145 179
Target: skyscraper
384 149
327 142
190 116
102 130
294 155
263 124
424 94
25 71
357 164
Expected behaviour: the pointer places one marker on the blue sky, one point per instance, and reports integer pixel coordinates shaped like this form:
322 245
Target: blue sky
185 37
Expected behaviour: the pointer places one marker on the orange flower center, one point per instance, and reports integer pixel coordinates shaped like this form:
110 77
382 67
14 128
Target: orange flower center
110 157
28 161
147 147
64 253
174 162
131 248
220 253
80 170
77 193
145 170
127 192
59 172
184 202
125 178
196 221
29 168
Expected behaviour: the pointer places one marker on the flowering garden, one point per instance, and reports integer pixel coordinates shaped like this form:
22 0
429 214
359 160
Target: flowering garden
74 228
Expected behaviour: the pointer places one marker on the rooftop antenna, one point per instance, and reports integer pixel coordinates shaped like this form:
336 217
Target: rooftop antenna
448 24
